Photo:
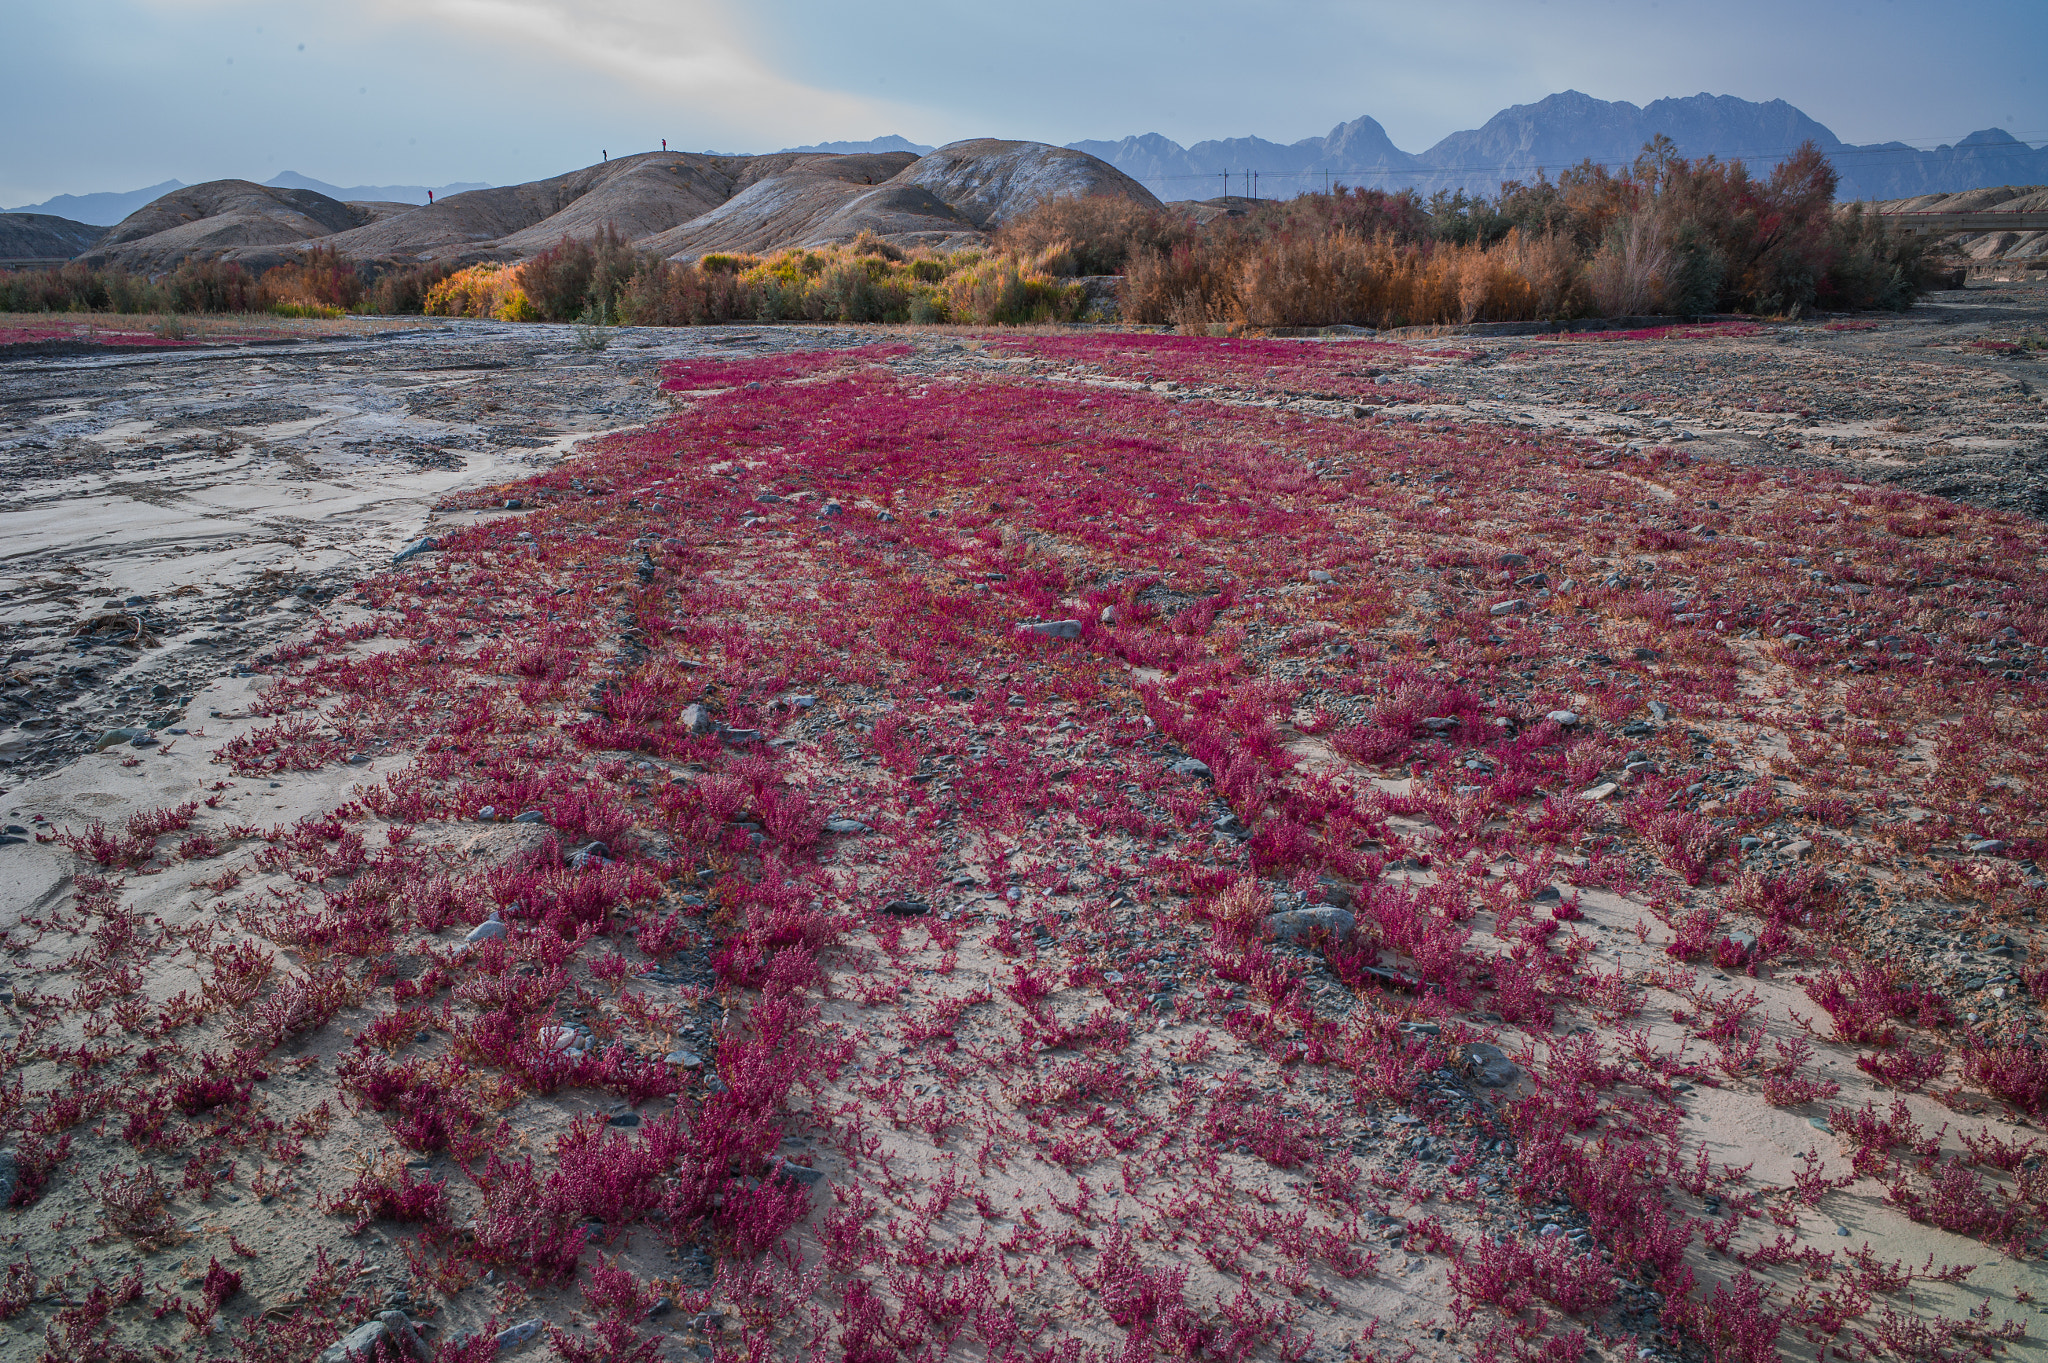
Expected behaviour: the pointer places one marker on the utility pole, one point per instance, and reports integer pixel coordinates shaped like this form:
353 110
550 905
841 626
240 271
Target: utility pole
1226 184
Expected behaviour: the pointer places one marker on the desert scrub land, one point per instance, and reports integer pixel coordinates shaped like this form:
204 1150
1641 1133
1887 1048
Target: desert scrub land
1082 846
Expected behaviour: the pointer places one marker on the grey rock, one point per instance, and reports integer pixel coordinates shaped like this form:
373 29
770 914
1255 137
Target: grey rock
1988 847
696 719
530 816
1549 894
1318 575
1659 711
1052 629
1189 766
906 908
689 1060
1489 1066
738 736
10 1177
1515 607
829 510
846 826
512 1336
360 1345
1299 925
415 549
1514 560
1533 580
1438 724
114 736
796 1173
143 741
1567 718
486 930
1743 940
1797 849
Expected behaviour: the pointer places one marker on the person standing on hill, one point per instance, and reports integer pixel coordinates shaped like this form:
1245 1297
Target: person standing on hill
430 198
664 144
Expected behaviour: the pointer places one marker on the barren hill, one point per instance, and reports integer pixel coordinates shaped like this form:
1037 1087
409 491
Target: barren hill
40 236
640 194
221 217
1984 245
677 203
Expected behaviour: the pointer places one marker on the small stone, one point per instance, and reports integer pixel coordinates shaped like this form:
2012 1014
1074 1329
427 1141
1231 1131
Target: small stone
487 813
114 736
1318 575
795 1173
143 741
624 1119
1988 847
1659 711
1842 1231
846 827
1052 629
486 930
1566 718
803 702
1490 1066
1515 607
1108 615
530 816
739 737
10 1177
415 549
829 510
689 1060
1300 925
512 1336
1797 849
1599 792
1514 560
1189 766
696 719
1549 894
906 908
1438 724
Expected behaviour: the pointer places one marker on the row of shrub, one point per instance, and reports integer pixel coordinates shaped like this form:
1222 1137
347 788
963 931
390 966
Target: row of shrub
604 280
867 280
1667 235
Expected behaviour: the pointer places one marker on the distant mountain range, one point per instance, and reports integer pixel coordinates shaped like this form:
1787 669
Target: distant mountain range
104 210
1553 134
877 144
1559 132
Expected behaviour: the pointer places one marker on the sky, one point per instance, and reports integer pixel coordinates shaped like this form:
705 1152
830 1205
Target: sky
119 94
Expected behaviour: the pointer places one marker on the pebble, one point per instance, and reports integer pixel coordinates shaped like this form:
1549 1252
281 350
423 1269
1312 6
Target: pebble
1052 629
1514 607
1490 1066
696 719
491 927
906 908
415 549
487 813
689 1060
846 826
1567 718
1318 575
114 736
530 816
1299 925
512 1336
1189 766
1988 846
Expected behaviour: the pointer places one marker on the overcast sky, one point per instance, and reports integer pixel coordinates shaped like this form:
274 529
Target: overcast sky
118 94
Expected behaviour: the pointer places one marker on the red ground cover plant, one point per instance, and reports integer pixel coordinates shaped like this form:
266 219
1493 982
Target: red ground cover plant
842 871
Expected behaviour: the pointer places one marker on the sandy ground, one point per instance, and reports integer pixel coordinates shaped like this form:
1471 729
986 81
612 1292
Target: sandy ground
218 503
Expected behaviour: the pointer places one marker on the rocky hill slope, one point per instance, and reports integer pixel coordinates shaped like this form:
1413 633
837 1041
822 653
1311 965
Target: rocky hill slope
41 236
679 203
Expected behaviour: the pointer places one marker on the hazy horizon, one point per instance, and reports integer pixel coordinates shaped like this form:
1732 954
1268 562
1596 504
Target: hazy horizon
129 93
